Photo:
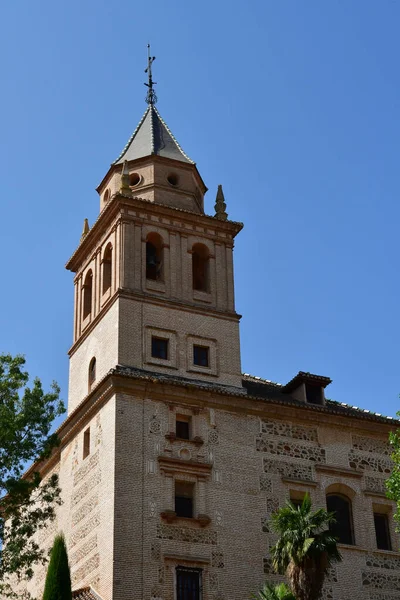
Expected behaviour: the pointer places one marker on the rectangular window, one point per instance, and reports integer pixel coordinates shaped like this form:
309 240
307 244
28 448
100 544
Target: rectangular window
201 356
184 499
188 584
296 497
382 532
159 348
313 393
86 443
182 428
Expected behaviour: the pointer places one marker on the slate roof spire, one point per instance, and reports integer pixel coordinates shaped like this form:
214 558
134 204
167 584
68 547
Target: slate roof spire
152 136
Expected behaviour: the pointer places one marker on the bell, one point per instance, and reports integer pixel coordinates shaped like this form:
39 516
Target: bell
152 261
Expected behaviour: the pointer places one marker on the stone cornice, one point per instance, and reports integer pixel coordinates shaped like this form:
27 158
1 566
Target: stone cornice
154 159
120 206
195 396
338 470
172 465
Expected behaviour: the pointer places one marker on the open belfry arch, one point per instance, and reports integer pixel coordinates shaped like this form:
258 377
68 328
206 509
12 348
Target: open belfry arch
171 460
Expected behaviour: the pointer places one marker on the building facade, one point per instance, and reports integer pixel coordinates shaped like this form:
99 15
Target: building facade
172 460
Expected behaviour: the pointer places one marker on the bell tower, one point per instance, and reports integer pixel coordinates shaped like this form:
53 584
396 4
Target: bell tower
154 288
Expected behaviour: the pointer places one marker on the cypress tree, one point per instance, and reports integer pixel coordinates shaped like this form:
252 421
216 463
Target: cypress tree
58 579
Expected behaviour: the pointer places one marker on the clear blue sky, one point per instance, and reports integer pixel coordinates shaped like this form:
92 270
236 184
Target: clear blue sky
292 106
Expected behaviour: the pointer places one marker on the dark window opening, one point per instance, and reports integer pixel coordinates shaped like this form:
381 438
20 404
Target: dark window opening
92 372
173 179
188 584
107 271
134 179
313 393
87 295
182 430
154 257
201 356
342 529
159 348
200 268
296 498
382 531
86 443
184 499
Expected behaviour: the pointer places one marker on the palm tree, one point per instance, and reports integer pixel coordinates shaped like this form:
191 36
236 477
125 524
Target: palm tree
305 548
274 592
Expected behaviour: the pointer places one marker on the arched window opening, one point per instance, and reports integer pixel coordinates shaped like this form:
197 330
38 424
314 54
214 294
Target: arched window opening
87 294
200 268
92 373
107 268
154 257
106 196
342 529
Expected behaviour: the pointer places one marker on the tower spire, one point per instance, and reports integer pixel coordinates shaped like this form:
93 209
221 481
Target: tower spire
220 205
151 97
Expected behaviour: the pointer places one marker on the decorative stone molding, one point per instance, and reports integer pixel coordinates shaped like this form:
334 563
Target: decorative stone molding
290 480
170 516
381 581
197 440
284 429
264 443
375 485
291 471
187 534
92 462
367 444
367 462
265 483
183 558
217 559
189 467
382 561
338 470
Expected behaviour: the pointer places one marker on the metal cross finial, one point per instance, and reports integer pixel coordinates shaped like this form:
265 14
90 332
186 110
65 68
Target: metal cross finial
151 97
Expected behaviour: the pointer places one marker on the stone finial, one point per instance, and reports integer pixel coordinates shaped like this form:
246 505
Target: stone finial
85 229
125 188
220 205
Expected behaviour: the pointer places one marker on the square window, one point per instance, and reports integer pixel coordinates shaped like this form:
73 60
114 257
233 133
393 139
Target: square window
188 584
184 499
201 356
182 427
159 348
382 532
314 394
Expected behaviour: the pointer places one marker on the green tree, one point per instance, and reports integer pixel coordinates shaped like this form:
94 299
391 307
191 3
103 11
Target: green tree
305 548
58 578
274 592
393 483
26 503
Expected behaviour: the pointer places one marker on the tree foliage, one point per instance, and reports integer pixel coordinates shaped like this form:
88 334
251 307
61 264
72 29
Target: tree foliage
58 578
26 503
305 548
393 483
274 592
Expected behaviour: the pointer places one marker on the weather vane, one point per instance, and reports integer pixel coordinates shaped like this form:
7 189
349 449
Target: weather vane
151 97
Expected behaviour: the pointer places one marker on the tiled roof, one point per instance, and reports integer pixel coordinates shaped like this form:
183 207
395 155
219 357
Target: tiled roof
257 388
303 377
86 593
152 136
